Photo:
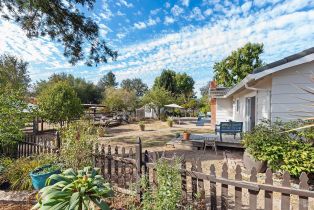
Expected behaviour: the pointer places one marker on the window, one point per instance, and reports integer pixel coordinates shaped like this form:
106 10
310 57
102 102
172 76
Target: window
237 105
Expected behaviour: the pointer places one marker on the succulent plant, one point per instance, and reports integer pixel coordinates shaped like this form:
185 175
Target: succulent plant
75 190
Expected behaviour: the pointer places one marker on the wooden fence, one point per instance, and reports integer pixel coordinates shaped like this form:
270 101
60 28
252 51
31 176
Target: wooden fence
32 145
124 169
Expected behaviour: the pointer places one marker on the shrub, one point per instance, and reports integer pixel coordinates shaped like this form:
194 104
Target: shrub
77 144
17 172
167 195
282 150
170 121
75 190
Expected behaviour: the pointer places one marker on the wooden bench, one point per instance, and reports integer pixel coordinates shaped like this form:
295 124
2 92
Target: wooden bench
229 128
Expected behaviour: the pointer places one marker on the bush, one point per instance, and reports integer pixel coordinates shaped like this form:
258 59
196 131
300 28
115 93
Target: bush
170 122
77 144
167 195
17 173
282 150
75 190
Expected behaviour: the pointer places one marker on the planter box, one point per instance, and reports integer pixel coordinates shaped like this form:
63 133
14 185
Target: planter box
39 180
249 162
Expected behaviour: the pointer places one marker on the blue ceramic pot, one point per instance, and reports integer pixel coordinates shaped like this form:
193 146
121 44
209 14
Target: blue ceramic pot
39 179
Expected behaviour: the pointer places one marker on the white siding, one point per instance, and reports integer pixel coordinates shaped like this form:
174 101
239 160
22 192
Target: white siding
288 100
224 110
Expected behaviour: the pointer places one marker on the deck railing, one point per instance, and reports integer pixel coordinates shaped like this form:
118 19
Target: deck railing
125 170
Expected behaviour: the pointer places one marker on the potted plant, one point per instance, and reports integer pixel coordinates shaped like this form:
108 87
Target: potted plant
186 135
142 125
170 122
83 189
40 175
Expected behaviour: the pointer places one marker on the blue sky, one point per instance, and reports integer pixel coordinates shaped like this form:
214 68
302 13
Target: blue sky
184 35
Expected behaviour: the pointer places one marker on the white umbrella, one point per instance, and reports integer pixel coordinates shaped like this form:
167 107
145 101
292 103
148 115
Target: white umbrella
174 106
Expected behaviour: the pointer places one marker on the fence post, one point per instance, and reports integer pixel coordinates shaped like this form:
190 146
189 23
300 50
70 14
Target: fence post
285 198
213 191
139 168
269 194
58 139
224 188
238 190
253 194
303 200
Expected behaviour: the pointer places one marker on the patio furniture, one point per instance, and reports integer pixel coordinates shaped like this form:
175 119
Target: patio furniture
210 142
230 127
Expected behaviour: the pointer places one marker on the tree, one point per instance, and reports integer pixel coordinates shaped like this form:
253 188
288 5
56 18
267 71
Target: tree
107 81
167 80
86 91
12 116
238 65
205 90
120 99
184 85
156 98
62 21
58 102
136 85
13 73
192 104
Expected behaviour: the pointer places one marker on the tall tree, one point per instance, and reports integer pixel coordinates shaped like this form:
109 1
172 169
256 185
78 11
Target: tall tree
156 98
58 102
107 81
205 89
184 85
86 91
12 116
13 73
62 21
120 99
238 65
136 85
167 80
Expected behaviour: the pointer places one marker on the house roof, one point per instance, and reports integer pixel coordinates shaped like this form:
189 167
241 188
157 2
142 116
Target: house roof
287 62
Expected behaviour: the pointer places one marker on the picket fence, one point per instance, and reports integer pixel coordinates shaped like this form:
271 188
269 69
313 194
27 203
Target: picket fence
125 170
32 145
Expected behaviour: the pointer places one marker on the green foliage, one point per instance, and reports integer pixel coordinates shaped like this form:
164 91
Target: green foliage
59 102
204 104
176 83
77 144
282 150
75 190
107 81
17 173
238 65
13 73
86 91
62 21
136 85
12 116
48 169
167 195
120 99
157 98
170 121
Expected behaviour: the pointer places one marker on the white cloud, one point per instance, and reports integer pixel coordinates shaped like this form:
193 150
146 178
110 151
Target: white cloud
124 3
185 2
106 12
196 14
155 11
119 13
246 7
140 25
121 35
176 10
152 22
208 12
167 5
168 20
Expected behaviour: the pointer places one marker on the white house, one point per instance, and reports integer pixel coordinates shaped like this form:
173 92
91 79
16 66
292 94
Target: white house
277 90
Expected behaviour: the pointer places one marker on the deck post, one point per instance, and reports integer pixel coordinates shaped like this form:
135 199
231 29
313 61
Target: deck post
139 168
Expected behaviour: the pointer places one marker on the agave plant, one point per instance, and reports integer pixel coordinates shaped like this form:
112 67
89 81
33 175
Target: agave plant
75 190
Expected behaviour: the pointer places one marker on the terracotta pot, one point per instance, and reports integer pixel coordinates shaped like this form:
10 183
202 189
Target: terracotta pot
249 162
186 136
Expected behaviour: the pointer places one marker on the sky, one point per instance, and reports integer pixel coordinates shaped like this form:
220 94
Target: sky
184 35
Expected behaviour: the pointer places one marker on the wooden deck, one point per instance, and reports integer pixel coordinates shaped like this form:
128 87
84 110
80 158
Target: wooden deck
197 143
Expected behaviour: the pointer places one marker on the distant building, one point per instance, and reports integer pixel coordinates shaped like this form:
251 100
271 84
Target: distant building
277 90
